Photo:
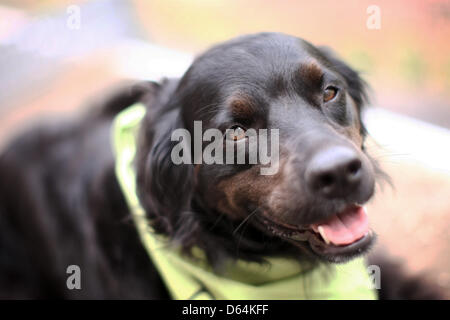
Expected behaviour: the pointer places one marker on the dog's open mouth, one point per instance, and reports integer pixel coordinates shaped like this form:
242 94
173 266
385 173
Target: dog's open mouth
337 238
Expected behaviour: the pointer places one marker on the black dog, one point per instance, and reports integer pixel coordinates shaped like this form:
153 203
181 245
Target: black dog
61 204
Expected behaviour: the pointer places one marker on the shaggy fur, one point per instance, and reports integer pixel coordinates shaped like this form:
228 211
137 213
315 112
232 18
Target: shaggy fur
60 202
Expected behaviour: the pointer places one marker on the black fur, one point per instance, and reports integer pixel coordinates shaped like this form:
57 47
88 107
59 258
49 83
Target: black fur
60 202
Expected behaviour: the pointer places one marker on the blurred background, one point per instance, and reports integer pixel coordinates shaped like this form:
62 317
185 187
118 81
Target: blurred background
56 57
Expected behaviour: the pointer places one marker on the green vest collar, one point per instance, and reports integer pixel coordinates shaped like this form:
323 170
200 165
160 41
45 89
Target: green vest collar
187 279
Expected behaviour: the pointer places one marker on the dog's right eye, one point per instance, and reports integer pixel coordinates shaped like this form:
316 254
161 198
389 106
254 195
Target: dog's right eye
235 133
329 93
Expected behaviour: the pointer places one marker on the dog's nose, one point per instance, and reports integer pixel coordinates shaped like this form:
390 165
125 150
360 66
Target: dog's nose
334 172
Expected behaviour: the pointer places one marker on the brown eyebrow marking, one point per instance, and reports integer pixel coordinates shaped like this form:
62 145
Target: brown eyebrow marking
242 106
308 80
311 73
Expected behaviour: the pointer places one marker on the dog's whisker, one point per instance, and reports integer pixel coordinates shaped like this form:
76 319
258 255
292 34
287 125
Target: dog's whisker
220 217
240 238
245 220
245 224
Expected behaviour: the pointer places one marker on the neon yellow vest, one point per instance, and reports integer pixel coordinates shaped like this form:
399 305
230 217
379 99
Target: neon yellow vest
281 278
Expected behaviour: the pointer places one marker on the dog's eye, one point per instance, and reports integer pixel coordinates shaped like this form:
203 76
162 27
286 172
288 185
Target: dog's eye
235 133
329 93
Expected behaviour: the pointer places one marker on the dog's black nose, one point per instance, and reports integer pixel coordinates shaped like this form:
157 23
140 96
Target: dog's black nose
335 172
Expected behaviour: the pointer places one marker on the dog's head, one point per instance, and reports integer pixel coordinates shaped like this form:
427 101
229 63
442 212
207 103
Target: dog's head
309 200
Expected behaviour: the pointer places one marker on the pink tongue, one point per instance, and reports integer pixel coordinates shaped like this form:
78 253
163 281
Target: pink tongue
347 227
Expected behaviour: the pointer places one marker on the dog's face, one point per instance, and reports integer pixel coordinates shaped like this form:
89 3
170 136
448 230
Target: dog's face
313 199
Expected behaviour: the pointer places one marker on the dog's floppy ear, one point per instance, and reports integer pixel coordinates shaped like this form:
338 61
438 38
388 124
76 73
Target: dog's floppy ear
122 96
357 87
164 188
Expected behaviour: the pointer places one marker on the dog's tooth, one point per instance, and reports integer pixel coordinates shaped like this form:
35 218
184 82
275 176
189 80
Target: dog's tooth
322 233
